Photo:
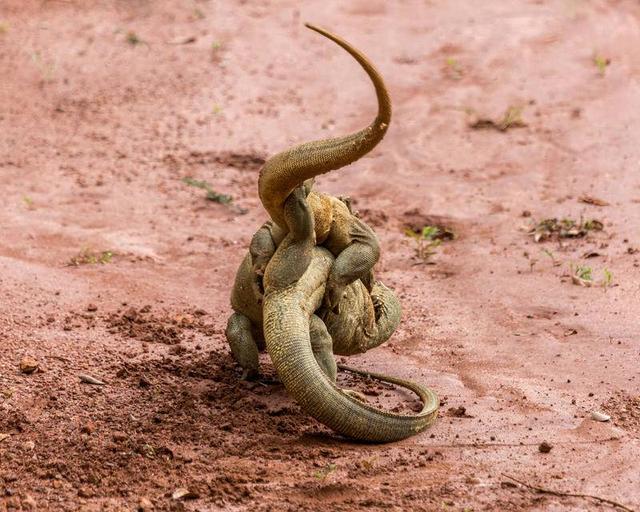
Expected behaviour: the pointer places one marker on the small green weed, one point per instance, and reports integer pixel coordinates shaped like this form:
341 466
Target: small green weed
583 276
601 63
28 202
89 257
512 118
453 68
426 241
211 195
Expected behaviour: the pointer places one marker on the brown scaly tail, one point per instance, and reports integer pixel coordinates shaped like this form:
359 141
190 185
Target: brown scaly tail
286 330
287 170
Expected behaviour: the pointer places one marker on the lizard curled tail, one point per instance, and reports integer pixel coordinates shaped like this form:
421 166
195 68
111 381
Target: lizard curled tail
285 171
286 329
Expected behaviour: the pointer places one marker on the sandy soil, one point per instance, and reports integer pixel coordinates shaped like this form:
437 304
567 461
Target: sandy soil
105 108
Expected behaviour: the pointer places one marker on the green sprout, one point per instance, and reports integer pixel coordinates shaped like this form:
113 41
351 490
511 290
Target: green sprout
454 68
601 63
426 241
212 195
89 257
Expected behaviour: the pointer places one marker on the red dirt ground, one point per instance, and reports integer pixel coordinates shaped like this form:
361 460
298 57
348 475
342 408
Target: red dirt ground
106 106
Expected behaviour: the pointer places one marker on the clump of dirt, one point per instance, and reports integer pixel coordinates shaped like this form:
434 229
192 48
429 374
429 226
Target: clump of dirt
624 409
170 329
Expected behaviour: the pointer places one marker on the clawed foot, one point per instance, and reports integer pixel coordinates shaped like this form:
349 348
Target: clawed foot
249 374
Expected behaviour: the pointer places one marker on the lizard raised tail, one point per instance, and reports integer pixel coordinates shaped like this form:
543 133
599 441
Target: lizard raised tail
284 171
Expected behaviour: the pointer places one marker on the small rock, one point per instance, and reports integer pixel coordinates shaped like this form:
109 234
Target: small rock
29 503
544 447
458 412
92 307
184 494
88 427
89 379
145 504
85 492
600 416
119 437
28 365
28 446
144 382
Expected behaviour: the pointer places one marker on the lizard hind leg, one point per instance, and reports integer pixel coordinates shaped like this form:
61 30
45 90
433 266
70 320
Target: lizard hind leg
322 347
243 346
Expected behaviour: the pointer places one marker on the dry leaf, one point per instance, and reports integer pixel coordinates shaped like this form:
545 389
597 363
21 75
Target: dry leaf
593 200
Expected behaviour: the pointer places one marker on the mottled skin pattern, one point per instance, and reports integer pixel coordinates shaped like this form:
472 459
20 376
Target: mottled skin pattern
308 281
367 316
293 332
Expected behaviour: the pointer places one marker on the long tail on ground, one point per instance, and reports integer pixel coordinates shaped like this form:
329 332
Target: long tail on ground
287 170
286 331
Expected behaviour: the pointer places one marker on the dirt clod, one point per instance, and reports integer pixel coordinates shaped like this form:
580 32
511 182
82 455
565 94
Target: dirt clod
545 447
29 365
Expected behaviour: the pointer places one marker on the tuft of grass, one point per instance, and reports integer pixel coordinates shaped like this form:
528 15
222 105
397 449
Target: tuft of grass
323 473
133 39
211 195
28 202
453 67
427 240
215 46
4 27
601 63
217 109
90 257
547 252
512 118
582 275
547 229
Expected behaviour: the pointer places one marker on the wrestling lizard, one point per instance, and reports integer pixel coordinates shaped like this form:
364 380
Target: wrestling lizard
294 284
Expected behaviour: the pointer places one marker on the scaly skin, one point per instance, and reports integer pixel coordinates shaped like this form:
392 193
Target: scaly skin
366 319
288 315
300 273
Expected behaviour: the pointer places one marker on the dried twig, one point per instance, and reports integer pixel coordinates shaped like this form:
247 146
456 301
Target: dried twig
569 494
